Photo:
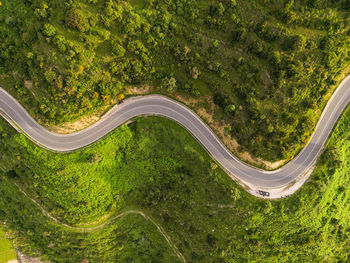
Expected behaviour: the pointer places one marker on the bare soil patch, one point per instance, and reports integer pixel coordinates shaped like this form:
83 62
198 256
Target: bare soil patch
81 123
139 90
70 127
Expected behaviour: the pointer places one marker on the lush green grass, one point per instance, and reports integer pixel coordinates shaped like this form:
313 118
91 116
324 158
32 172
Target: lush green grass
6 249
155 166
267 65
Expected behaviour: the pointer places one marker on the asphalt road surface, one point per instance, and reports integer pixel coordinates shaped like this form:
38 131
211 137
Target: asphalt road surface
278 183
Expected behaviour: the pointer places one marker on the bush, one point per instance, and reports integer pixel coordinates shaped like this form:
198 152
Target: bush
188 87
230 109
239 34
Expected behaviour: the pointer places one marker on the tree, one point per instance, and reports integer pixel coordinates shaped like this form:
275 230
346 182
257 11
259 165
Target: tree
332 156
299 42
221 9
60 43
49 30
276 58
169 84
215 44
118 50
256 46
195 72
42 11
288 15
76 19
239 34
233 3
50 75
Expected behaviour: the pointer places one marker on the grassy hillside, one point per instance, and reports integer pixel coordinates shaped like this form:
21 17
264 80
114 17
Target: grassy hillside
155 166
266 65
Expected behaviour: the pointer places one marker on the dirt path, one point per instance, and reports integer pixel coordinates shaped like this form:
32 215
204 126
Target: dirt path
90 229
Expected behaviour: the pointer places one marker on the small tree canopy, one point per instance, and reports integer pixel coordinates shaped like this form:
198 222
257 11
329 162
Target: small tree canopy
169 84
49 30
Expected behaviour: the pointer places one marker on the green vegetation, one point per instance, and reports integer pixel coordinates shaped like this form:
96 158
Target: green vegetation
268 65
155 166
6 249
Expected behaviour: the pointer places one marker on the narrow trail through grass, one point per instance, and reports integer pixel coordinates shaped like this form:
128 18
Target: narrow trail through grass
89 229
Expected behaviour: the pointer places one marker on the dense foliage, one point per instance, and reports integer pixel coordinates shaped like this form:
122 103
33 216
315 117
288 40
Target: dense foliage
267 64
155 166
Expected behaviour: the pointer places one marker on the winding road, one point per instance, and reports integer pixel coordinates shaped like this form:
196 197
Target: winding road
278 183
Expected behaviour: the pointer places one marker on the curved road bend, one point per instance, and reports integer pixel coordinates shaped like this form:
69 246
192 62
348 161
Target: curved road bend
278 183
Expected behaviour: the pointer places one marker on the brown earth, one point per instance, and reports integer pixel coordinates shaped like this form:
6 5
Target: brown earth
81 123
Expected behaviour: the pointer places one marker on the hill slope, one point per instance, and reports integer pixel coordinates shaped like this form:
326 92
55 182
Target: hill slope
265 68
156 167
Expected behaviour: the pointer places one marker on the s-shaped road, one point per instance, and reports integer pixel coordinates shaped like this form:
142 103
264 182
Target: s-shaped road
278 183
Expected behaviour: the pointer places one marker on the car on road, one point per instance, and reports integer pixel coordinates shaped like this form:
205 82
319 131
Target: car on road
263 193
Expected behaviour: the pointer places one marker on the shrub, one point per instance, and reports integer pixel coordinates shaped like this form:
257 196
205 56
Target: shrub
230 109
121 97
